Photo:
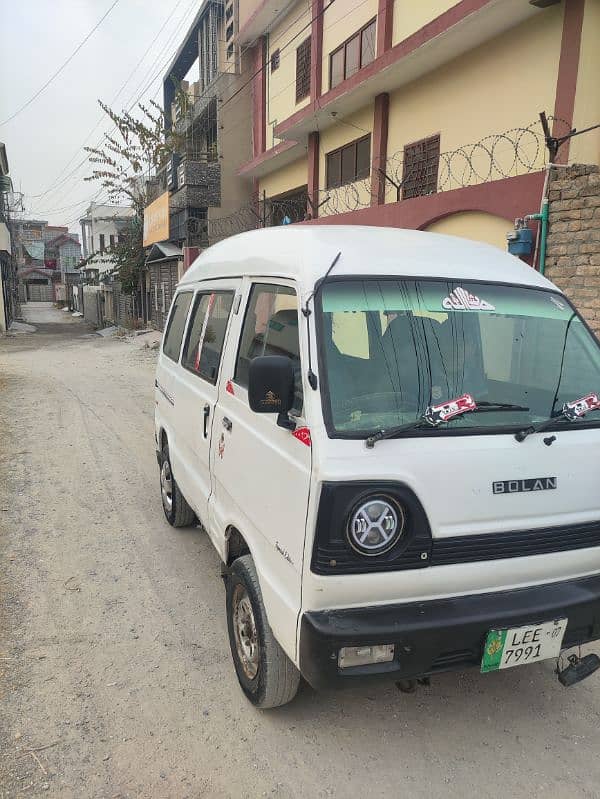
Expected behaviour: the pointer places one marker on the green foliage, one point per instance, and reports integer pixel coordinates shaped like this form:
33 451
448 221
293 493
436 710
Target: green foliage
135 150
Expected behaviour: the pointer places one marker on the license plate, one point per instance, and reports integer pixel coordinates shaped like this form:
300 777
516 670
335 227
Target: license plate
507 648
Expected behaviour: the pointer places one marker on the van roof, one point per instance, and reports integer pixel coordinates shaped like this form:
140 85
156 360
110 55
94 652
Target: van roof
305 252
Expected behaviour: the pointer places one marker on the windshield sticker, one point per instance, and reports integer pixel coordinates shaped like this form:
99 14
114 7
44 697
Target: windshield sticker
578 408
436 414
461 300
558 303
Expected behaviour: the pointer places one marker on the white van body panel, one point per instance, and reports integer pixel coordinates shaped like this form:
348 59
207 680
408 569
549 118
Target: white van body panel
254 465
267 484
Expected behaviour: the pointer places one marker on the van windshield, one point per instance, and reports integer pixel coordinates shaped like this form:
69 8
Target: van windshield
392 348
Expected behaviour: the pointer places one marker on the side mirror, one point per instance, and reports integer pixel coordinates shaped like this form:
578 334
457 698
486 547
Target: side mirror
271 384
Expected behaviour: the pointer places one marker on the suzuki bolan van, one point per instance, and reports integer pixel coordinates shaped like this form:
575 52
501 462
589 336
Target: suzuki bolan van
392 439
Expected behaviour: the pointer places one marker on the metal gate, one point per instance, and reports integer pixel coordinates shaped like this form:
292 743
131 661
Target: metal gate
37 292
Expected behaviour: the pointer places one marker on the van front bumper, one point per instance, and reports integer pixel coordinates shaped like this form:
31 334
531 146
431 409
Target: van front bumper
440 635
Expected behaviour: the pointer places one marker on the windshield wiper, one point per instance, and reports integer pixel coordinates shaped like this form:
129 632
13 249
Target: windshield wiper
499 406
436 414
392 432
571 412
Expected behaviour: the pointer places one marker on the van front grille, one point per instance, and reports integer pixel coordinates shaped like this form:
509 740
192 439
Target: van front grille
493 546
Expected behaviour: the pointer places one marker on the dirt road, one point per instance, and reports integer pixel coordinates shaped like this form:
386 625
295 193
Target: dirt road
115 674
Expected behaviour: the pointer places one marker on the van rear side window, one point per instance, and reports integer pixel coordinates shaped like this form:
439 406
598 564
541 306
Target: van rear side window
206 334
176 326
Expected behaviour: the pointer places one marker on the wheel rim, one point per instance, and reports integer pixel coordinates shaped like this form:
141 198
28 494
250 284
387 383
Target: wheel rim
246 634
166 485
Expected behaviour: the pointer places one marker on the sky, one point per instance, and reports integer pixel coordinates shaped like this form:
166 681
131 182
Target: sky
44 143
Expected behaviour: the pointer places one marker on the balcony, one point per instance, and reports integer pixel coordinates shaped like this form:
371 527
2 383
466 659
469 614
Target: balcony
445 38
198 184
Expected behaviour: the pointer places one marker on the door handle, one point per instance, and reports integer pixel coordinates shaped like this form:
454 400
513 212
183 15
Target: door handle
227 423
206 416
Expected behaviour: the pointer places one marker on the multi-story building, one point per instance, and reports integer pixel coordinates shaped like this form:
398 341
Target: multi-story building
416 114
101 229
207 103
64 252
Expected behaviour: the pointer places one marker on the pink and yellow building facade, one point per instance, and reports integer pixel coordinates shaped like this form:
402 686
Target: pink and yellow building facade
417 114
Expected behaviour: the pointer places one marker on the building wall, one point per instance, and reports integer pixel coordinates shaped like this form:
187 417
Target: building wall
585 149
498 86
281 84
409 16
103 224
340 22
573 255
235 141
474 225
69 256
345 130
285 179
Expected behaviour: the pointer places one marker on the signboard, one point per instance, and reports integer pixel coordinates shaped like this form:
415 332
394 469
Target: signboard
156 220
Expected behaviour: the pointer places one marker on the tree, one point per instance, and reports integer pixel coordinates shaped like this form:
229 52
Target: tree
136 149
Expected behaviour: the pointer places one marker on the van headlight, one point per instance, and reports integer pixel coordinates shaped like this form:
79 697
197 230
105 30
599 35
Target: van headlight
375 525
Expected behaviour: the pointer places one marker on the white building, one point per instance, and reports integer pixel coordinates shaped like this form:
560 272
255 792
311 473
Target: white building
101 228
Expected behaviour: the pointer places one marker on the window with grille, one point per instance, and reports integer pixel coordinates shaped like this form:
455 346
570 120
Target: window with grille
354 54
349 163
275 58
420 167
303 70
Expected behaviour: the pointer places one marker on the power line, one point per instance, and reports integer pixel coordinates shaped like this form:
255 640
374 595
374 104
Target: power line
60 69
55 184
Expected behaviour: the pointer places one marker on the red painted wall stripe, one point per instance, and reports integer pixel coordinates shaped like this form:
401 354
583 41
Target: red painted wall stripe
379 147
259 98
508 198
313 174
316 49
568 68
385 21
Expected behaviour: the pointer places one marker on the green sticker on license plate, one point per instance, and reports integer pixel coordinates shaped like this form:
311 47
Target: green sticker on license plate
517 646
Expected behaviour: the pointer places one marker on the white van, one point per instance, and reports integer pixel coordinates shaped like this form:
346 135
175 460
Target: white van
392 439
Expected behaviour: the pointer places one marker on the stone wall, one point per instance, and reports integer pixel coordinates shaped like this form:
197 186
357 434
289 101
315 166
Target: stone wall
573 254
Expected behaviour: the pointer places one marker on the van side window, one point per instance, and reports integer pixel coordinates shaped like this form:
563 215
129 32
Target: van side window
176 326
270 328
206 334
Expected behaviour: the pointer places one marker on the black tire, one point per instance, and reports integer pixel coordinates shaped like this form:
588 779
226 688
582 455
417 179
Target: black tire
177 512
276 679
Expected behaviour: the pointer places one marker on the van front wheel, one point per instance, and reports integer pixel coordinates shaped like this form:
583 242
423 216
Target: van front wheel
177 512
266 674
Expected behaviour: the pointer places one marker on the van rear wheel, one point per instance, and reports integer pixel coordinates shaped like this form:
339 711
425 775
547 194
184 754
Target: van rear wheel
265 673
177 512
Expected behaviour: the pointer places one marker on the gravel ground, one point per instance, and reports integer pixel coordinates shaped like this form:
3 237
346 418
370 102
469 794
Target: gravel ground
115 674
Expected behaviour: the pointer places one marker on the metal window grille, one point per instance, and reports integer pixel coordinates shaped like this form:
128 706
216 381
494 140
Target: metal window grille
303 70
275 60
420 167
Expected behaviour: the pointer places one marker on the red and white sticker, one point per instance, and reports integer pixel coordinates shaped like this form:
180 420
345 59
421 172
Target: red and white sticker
436 414
581 406
303 435
462 300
